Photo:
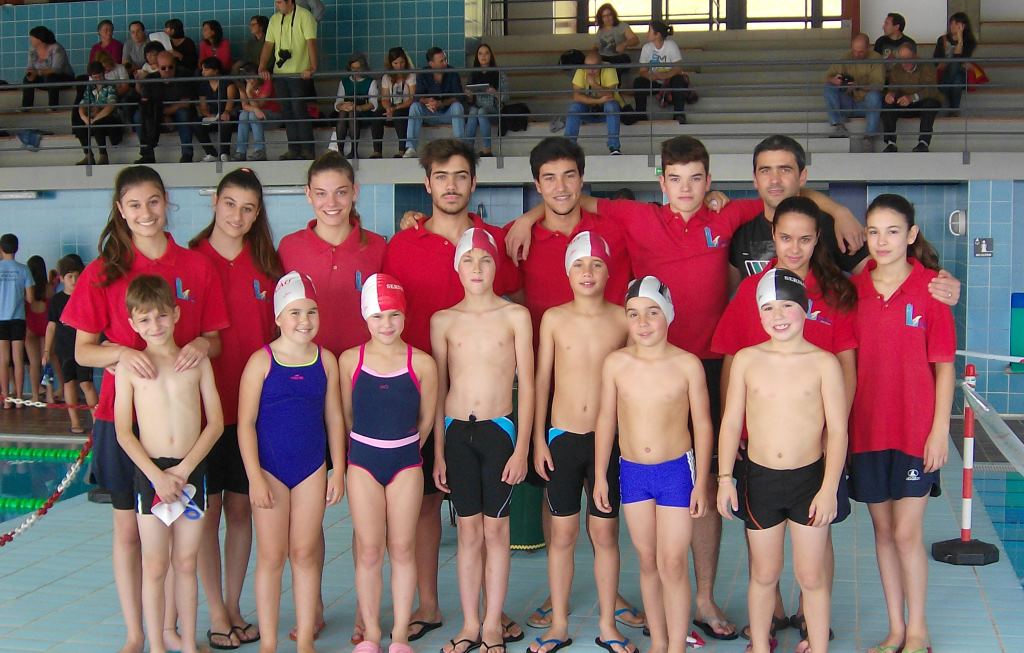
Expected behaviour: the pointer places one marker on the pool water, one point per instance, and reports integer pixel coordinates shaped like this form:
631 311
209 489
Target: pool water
28 480
1002 493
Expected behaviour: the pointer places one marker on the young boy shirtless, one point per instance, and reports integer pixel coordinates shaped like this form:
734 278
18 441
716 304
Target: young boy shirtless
169 454
787 390
648 389
481 345
575 338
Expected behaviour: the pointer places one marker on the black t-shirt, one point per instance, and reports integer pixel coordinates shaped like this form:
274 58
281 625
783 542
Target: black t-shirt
168 92
64 337
887 47
752 247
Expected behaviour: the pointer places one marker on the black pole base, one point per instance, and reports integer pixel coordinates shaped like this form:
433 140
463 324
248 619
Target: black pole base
974 553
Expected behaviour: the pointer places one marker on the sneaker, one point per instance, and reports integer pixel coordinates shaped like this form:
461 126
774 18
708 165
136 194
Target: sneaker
290 155
557 125
921 147
144 159
376 155
410 153
238 156
614 151
889 147
307 153
839 131
102 160
86 161
207 158
225 157
258 155
680 118
185 158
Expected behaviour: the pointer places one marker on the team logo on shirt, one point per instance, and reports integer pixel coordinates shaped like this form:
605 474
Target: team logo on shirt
755 267
712 241
913 475
913 320
296 377
260 294
180 291
816 316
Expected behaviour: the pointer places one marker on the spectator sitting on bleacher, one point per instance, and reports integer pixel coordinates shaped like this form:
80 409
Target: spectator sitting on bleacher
438 99
613 36
254 46
397 93
911 92
166 101
97 116
134 50
214 44
653 78
218 108
114 72
854 89
595 95
358 95
150 52
290 48
182 47
107 42
956 45
487 102
47 62
892 36
258 107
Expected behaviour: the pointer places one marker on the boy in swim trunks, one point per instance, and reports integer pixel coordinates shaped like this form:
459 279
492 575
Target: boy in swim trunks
575 338
169 454
648 389
787 390
480 344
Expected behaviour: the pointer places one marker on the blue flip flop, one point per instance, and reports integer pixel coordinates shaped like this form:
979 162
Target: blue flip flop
540 612
632 611
610 643
559 644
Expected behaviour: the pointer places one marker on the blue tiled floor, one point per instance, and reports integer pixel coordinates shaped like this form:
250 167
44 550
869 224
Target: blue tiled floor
57 593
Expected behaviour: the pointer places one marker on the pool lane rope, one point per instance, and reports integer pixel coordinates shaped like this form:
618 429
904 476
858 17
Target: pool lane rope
31 520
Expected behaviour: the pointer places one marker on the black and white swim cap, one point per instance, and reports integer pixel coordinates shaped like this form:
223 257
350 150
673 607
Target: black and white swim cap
652 288
781 284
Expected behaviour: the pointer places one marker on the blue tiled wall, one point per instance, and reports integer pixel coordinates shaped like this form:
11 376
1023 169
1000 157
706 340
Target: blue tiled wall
369 26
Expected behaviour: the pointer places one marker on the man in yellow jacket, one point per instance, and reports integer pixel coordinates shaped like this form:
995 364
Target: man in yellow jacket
855 89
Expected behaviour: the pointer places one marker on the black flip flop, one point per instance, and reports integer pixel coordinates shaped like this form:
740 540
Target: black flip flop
508 639
709 631
778 623
800 623
558 644
425 627
473 645
220 647
241 630
610 643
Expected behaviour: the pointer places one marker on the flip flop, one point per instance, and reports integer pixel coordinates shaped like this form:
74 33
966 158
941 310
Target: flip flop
633 611
425 627
778 623
886 649
210 634
607 645
924 649
709 630
533 621
78 430
367 647
242 630
506 630
693 640
293 634
488 647
473 645
800 623
558 644
358 631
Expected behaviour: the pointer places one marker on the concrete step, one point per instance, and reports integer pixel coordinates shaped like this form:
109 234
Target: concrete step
1001 32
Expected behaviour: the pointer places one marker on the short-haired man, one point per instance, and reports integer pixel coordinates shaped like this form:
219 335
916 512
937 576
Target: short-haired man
892 36
253 47
165 101
289 48
911 92
855 89
438 99
595 97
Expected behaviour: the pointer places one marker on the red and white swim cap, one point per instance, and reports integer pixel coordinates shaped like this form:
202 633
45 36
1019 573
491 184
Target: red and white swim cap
587 243
381 293
292 286
476 238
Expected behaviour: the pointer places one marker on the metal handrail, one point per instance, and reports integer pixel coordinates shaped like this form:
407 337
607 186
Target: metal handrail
654 134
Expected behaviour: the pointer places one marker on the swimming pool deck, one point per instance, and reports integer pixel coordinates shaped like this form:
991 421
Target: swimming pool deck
57 591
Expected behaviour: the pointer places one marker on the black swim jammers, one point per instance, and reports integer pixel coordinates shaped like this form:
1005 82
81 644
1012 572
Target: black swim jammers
475 454
573 457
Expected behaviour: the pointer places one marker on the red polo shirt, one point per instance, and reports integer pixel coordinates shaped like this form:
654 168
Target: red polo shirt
544 280
740 326
98 309
250 297
690 256
899 340
424 263
338 273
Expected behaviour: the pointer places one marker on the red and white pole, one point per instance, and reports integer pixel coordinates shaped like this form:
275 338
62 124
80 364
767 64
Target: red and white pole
970 376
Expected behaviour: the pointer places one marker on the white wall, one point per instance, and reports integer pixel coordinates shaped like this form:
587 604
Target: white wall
924 22
1002 10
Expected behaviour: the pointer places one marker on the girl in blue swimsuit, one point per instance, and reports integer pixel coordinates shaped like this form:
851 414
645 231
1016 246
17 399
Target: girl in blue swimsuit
289 415
388 392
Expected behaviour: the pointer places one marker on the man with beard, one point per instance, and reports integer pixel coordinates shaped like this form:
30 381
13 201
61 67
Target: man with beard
421 260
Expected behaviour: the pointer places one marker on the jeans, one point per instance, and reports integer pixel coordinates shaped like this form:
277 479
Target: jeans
419 113
580 113
294 113
247 121
954 79
841 106
480 116
151 117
